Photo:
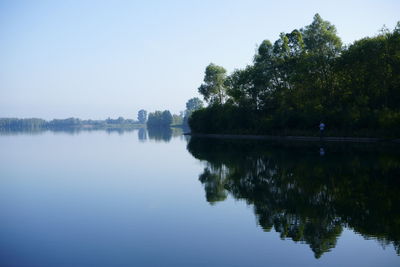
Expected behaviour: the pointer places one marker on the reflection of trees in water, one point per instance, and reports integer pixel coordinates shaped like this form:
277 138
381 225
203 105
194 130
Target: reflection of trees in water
35 131
214 184
303 196
163 134
177 132
159 134
142 134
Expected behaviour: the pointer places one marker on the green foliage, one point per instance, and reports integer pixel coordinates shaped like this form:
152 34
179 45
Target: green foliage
177 119
320 38
213 89
223 119
305 77
160 119
194 104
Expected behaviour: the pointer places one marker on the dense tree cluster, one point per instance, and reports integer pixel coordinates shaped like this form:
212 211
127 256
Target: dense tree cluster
159 119
304 77
192 105
305 196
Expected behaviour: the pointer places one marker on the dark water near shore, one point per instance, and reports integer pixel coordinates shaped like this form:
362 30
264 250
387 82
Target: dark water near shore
157 198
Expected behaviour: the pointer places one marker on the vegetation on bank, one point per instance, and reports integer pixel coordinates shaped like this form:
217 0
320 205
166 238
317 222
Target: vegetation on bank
305 77
164 119
15 124
159 119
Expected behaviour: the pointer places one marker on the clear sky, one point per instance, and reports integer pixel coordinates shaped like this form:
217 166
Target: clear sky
95 59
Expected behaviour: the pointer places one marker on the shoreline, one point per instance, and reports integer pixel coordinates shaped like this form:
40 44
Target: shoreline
296 138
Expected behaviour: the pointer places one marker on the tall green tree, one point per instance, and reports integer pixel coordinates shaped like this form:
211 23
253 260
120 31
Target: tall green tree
320 38
213 89
322 46
242 88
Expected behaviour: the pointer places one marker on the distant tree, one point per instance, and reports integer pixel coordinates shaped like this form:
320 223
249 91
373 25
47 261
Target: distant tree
166 118
142 116
213 89
154 119
177 119
194 104
65 122
160 119
120 120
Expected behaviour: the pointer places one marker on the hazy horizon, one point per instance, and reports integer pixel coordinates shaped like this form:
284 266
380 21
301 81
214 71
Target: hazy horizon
99 59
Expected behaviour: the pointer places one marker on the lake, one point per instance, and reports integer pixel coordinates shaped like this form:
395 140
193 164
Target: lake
158 198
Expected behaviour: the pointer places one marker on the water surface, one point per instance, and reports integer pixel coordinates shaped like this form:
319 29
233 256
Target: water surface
139 198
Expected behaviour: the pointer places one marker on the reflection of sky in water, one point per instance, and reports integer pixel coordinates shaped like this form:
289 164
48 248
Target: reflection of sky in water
107 199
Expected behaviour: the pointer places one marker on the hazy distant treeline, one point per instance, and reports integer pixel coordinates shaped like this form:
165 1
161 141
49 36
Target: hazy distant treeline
35 123
304 77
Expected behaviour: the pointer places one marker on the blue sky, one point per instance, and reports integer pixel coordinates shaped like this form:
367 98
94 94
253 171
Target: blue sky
95 59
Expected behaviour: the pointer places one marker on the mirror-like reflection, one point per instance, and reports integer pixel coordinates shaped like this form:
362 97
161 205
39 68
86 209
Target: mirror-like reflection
163 134
158 134
142 134
307 192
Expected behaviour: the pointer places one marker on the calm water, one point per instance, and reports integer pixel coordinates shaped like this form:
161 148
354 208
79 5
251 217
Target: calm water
157 199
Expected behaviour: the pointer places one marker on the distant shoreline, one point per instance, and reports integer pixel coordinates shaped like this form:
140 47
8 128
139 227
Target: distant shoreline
16 124
296 138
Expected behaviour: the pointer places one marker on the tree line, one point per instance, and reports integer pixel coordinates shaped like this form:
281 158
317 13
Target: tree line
306 77
16 124
165 119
